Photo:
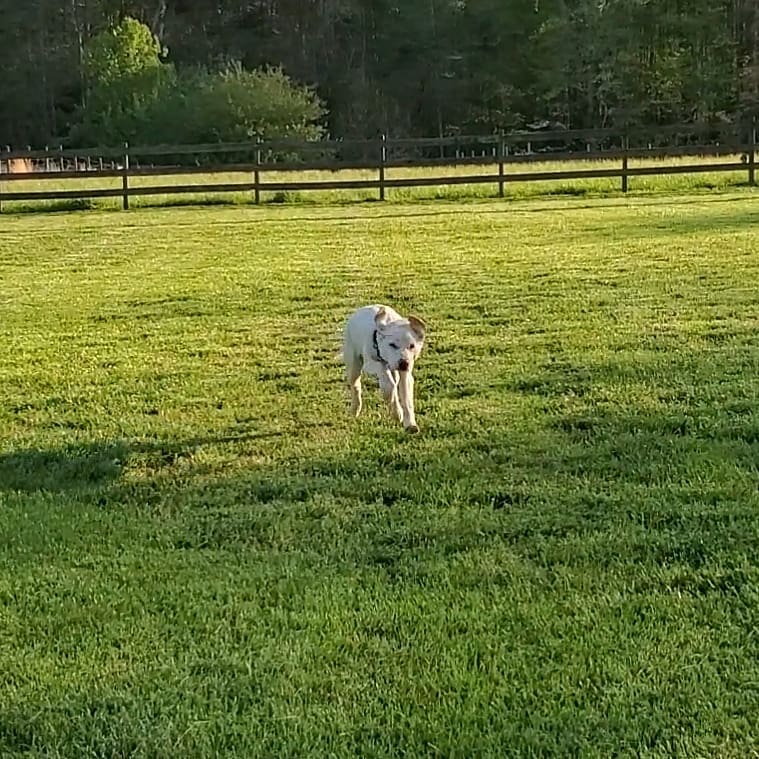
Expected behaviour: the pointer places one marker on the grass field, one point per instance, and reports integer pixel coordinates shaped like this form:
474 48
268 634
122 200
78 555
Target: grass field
521 190
202 555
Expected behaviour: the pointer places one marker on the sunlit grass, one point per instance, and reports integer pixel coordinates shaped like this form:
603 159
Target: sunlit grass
203 555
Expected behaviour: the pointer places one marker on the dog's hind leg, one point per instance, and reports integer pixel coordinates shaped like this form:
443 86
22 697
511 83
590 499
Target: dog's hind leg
353 376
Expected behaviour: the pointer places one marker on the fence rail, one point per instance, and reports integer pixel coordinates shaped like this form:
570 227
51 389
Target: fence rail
504 153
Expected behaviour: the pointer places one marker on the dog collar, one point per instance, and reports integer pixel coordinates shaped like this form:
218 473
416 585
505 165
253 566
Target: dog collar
375 344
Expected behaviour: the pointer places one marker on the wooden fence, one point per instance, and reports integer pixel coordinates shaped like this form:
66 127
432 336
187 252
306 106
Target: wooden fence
507 152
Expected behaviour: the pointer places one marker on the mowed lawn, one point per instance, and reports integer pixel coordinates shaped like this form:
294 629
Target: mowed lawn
202 555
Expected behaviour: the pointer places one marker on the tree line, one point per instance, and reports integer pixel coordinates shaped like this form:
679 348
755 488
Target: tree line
355 68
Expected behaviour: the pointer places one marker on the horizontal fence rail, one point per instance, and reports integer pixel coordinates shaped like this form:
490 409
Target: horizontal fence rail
504 154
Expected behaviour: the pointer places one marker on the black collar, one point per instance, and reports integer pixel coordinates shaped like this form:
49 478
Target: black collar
376 349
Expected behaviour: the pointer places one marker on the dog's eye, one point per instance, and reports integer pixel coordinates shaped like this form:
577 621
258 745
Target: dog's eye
411 347
394 346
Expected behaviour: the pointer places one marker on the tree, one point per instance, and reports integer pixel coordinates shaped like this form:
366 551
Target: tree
124 78
404 68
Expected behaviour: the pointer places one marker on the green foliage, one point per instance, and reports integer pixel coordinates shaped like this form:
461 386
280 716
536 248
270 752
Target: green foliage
134 96
626 62
411 68
125 80
126 51
236 105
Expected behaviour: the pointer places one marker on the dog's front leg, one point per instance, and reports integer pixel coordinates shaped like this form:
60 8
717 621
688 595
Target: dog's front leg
389 385
406 395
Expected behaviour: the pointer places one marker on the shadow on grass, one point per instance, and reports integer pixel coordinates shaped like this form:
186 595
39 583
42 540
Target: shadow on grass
95 466
627 490
450 531
75 467
52 206
586 484
591 493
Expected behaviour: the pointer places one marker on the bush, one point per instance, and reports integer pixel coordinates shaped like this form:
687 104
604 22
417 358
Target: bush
133 96
236 105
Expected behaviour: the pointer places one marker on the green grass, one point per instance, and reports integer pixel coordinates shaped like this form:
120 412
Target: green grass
594 188
203 555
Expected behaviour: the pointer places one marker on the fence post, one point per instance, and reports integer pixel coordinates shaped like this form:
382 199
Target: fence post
501 154
382 162
257 174
752 152
8 168
625 148
125 178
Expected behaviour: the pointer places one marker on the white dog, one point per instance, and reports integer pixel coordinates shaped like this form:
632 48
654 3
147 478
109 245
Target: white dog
381 342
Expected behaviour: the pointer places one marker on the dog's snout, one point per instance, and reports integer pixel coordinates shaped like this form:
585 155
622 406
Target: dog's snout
403 365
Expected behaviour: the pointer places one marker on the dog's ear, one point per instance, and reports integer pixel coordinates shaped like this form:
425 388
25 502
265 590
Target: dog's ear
418 326
380 318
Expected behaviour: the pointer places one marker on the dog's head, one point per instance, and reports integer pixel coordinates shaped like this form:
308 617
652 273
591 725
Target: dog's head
400 342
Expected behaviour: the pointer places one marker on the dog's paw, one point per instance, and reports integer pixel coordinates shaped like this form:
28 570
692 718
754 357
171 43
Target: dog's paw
412 429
